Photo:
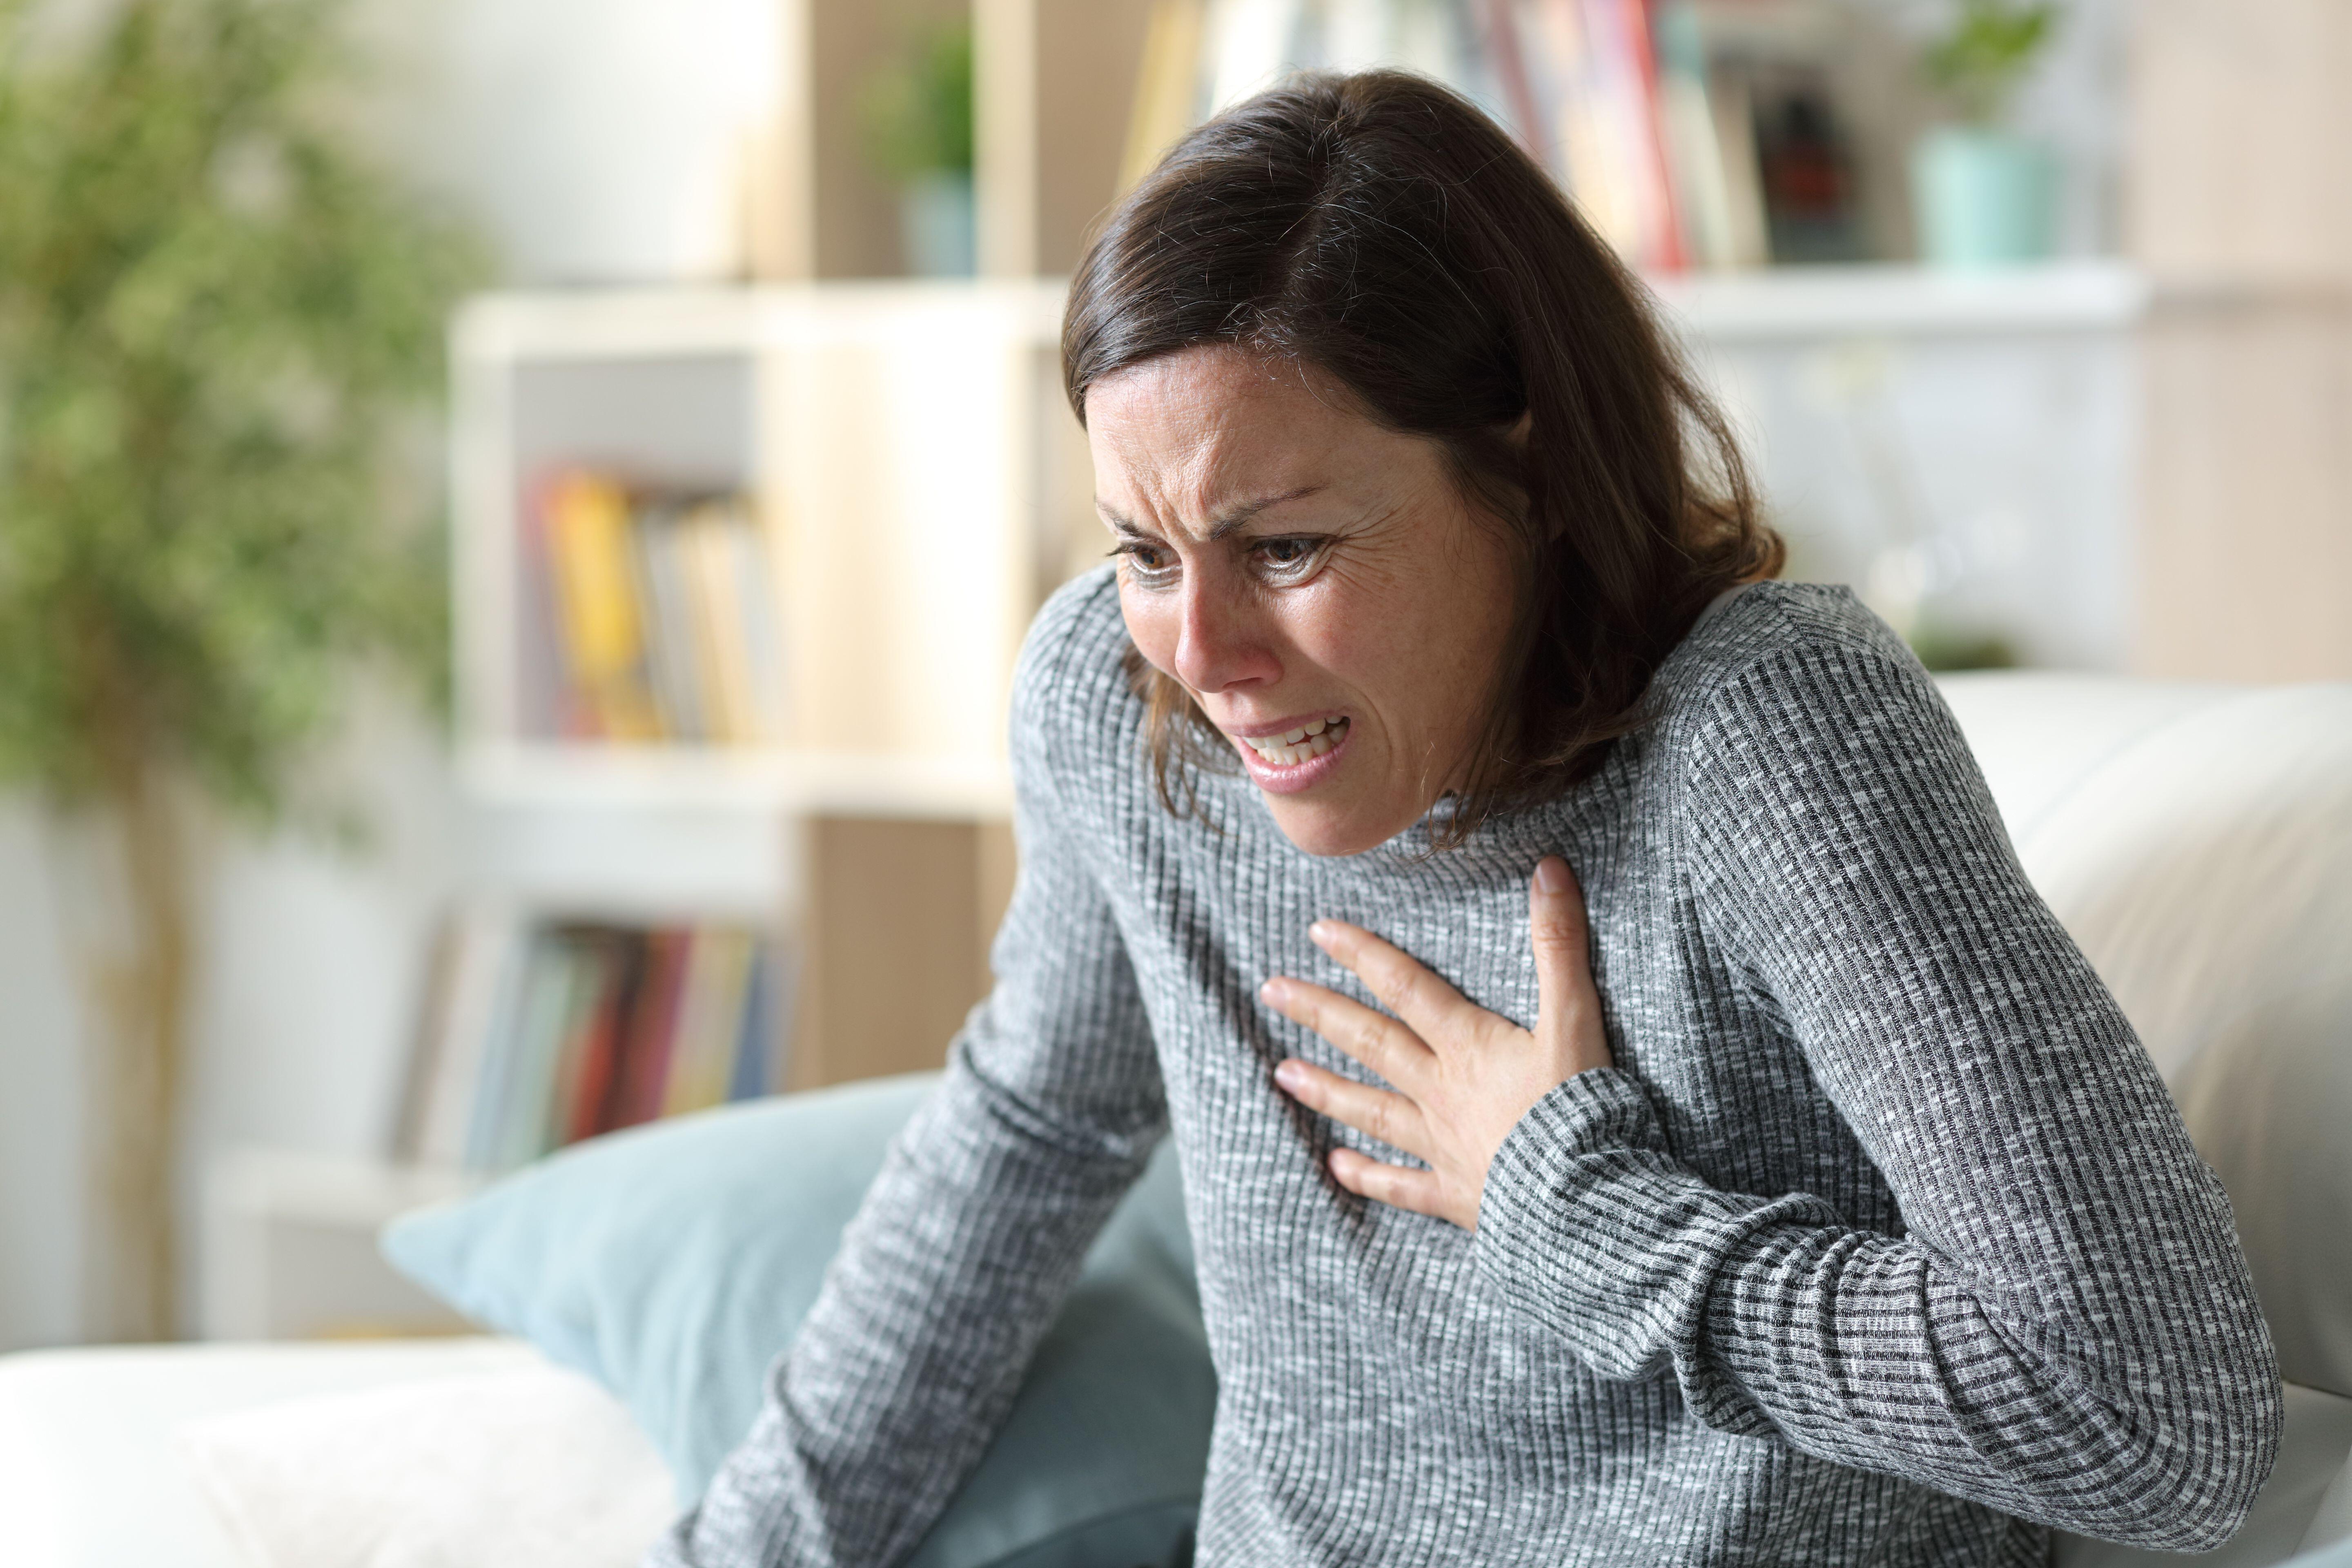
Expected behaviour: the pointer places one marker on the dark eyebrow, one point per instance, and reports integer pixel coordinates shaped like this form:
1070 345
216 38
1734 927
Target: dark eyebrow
1223 525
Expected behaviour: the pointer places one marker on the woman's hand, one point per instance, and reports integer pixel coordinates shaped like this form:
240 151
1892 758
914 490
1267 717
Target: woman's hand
1464 1076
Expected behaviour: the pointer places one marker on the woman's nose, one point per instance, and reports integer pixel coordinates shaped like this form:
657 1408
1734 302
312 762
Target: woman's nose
1220 643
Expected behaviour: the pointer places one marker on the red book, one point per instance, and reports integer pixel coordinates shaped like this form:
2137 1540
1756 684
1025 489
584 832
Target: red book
642 1071
1635 23
1501 30
589 1111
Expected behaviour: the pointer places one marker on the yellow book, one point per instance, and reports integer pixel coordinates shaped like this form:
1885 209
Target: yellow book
710 1019
589 555
1167 87
714 569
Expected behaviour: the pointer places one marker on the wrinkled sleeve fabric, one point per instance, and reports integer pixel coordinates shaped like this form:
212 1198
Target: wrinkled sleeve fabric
973 1235
2066 1329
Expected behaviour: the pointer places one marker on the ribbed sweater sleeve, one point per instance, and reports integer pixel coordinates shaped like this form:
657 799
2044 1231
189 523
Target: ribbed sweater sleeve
2065 1328
973 1235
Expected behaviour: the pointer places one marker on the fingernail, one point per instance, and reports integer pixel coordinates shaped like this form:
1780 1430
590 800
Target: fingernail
1272 993
1289 1075
1322 932
1551 875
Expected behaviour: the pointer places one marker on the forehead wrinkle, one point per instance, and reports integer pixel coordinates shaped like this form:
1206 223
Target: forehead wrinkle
1191 439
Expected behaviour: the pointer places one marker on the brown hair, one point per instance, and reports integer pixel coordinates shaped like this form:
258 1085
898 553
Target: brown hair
1381 229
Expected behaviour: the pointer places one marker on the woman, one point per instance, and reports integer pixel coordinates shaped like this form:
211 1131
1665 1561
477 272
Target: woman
1827 1211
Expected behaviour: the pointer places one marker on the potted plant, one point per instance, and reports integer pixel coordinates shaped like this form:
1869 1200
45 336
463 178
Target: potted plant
1984 194
917 112
215 325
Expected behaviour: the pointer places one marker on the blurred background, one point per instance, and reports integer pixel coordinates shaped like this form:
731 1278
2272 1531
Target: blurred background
514 517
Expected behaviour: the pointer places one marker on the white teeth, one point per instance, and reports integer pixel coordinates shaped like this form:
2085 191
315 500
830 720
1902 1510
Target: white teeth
1299 744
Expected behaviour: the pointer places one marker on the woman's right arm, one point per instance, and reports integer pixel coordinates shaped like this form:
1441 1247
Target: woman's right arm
973 1233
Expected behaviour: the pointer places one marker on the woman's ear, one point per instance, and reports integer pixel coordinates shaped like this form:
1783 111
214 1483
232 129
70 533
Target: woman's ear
1520 428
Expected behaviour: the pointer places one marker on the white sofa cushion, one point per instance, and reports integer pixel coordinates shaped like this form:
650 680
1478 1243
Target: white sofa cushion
90 1473
535 1467
2197 842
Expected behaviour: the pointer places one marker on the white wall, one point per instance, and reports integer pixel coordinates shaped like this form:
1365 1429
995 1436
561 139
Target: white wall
598 141
308 975
40 1141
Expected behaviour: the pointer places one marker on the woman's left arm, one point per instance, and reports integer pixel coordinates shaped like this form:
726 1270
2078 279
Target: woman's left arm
2067 1330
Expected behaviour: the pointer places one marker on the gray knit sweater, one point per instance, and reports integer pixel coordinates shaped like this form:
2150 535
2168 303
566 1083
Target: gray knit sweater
1881 1239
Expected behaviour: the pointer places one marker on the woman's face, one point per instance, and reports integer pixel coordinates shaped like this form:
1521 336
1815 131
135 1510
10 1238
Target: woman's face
1317 581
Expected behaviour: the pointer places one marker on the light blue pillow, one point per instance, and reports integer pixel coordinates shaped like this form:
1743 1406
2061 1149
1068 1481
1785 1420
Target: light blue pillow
673 1262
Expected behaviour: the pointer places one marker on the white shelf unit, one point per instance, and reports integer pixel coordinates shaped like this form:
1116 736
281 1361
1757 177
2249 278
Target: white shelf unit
915 476
1823 304
289 1248
902 443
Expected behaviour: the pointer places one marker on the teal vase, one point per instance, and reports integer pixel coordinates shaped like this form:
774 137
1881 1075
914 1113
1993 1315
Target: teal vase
940 223
1984 197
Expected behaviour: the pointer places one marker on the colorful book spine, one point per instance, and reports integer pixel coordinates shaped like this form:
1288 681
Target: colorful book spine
597 595
1616 97
542 1036
584 1087
758 1069
669 613
722 653
710 1022
663 615
653 1036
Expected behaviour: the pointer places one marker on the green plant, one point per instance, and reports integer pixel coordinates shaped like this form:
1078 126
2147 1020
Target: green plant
214 320
916 111
1990 47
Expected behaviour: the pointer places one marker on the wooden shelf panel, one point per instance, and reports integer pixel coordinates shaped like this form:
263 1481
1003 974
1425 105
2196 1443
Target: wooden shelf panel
1903 300
797 784
669 323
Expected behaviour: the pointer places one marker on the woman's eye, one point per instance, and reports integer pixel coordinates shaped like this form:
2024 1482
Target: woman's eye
1145 561
1290 557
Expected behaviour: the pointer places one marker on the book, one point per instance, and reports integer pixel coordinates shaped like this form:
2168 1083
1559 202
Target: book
1499 23
710 1021
1594 79
661 571
759 1059
1695 151
597 599
644 1067
669 627
1804 165
519 1057
1733 113
484 961
765 688
584 1078
1679 148
1167 87
546 1032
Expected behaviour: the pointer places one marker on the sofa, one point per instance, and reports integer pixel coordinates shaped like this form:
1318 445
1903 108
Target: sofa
2197 840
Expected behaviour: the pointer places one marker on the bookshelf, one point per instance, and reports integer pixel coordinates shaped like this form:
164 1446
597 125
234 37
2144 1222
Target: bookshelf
919 488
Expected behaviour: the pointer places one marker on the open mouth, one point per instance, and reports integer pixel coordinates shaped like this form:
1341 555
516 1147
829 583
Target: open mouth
1302 744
